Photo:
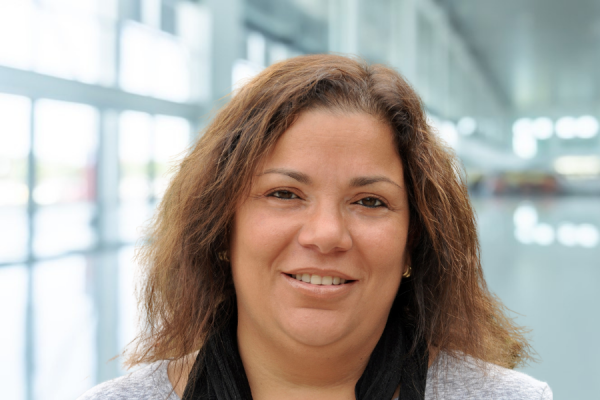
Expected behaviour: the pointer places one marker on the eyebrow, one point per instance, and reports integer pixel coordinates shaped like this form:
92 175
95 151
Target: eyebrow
354 182
369 180
299 176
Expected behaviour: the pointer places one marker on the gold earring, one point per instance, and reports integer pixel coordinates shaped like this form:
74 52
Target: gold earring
408 271
223 256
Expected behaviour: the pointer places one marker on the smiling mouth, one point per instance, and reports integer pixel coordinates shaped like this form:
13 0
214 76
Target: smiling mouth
320 280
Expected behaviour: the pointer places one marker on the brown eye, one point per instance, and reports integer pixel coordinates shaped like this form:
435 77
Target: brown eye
284 194
370 202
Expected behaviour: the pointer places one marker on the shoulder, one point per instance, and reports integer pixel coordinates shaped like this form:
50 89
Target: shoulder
467 378
150 382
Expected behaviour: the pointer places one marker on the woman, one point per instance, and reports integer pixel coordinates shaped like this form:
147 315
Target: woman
318 242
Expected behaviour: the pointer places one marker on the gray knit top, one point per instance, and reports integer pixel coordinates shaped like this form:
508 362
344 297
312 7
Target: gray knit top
447 379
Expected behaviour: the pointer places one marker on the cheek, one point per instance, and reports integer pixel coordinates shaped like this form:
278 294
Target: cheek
382 248
383 244
258 239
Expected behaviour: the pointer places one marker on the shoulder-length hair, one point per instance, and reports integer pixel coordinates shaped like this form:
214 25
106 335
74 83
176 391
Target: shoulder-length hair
187 281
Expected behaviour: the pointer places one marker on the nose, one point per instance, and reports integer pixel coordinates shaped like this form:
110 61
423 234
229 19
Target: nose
326 230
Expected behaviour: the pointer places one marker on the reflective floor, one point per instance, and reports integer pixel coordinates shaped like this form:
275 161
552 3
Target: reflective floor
540 256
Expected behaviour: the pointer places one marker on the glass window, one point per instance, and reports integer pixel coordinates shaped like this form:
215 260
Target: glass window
136 49
242 71
62 228
13 305
133 216
64 336
14 152
135 130
154 63
130 9
172 137
101 8
69 46
128 311
71 39
424 56
135 146
168 20
151 12
16 33
172 74
65 149
79 6
256 48
375 29
193 28
13 234
278 52
14 149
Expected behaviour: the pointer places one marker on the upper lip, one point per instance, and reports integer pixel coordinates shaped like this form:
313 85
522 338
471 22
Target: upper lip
320 272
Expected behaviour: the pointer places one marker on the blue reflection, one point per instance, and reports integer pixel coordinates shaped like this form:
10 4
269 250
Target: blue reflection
551 283
62 228
528 230
13 304
64 329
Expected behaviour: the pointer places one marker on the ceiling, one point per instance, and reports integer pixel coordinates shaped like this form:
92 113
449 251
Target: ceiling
543 55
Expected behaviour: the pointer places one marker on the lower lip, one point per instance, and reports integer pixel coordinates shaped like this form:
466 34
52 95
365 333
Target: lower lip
319 291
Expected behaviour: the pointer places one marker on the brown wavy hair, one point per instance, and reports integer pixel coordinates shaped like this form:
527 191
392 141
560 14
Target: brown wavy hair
187 290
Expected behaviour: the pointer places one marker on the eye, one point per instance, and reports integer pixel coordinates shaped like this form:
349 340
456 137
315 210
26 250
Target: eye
371 202
283 194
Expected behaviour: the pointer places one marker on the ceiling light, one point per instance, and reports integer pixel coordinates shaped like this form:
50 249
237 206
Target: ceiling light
587 127
566 128
242 72
433 122
543 234
542 128
588 235
524 235
566 234
467 126
525 216
522 126
524 145
578 165
448 133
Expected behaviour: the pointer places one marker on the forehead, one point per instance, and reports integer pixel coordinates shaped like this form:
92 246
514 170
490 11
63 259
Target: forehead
325 141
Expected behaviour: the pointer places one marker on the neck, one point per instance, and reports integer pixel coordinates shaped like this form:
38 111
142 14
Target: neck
295 372
282 368
179 370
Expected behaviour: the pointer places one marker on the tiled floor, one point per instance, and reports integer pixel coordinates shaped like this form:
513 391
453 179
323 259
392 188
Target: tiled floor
542 258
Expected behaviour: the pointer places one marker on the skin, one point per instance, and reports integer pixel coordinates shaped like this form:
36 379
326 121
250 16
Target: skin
330 196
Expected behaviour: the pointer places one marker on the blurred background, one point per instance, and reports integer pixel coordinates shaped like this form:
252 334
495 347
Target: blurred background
98 98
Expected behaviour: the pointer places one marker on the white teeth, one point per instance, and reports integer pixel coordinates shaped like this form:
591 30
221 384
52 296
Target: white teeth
319 280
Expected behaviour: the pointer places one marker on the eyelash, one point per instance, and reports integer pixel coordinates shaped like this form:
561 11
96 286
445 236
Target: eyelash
272 194
381 202
289 193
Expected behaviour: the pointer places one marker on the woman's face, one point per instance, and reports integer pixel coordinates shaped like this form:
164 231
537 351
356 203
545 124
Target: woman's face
328 204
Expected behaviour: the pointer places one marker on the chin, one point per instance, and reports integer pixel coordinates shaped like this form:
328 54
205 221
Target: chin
314 327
